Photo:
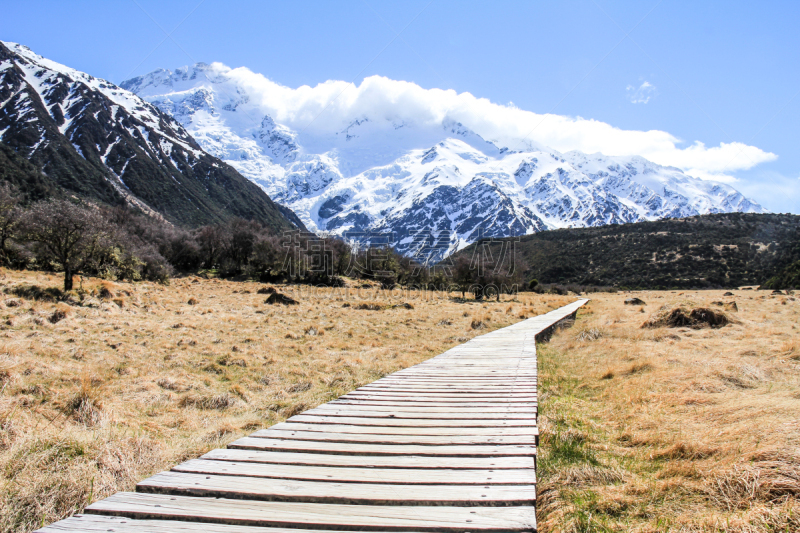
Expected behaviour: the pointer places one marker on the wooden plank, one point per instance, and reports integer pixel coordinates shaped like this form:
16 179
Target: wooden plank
429 411
319 516
436 396
257 443
460 391
455 381
103 524
431 377
438 414
405 430
373 461
469 372
449 385
411 422
403 403
424 440
382 414
395 476
445 377
289 490
413 399
512 391
456 390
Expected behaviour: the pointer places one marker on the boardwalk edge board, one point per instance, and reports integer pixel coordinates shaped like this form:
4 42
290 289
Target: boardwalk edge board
446 446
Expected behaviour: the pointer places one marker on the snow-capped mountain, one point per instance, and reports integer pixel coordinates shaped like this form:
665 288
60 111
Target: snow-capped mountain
384 172
89 137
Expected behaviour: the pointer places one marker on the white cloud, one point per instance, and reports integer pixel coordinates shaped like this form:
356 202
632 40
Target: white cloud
776 192
641 94
329 107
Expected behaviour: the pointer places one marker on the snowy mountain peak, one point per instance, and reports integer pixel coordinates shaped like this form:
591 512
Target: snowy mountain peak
397 168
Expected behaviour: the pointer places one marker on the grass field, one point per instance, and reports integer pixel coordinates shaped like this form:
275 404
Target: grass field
643 429
129 379
672 429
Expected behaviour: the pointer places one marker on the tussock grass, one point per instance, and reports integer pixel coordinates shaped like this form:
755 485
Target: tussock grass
114 392
671 428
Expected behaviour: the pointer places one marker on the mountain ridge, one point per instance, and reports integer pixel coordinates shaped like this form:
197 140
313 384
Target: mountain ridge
382 172
87 136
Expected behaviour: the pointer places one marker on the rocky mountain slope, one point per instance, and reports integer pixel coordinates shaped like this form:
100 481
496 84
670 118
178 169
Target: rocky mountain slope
64 130
383 172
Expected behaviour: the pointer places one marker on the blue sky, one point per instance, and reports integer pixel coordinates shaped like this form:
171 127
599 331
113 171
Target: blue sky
714 72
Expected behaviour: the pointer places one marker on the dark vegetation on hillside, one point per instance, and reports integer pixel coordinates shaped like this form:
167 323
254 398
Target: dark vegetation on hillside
709 251
788 278
118 243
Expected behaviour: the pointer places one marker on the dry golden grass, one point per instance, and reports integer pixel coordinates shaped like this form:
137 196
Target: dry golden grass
672 429
99 394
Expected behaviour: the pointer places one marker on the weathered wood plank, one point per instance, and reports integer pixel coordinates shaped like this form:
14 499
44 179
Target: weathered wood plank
443 398
257 443
372 461
470 414
405 430
103 524
435 396
451 388
429 412
411 422
452 381
319 516
436 403
424 440
289 490
396 476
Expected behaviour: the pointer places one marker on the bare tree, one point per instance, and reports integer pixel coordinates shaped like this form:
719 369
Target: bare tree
10 215
72 235
212 243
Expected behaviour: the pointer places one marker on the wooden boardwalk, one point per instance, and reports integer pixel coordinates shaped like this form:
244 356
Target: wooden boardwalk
448 445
